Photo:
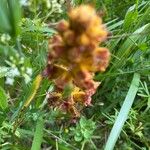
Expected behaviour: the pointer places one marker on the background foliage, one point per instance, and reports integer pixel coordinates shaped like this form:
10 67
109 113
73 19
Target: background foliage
26 120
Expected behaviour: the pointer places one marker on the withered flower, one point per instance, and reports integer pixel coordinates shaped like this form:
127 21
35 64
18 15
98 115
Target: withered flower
74 56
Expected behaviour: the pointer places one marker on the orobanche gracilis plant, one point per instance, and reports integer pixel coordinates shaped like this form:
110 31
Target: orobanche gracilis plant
74 56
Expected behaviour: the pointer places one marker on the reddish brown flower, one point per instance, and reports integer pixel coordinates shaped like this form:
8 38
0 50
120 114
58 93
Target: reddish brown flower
74 57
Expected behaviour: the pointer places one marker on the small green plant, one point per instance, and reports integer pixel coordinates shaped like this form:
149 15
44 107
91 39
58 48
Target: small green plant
83 130
144 94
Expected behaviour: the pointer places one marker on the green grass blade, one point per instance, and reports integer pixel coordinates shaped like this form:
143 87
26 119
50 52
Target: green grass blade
14 15
3 99
115 25
38 135
5 24
123 114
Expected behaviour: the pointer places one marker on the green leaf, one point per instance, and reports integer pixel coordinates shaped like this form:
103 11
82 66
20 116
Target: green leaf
14 15
38 135
83 122
78 138
123 114
3 99
67 91
5 24
148 103
143 46
144 17
125 49
115 25
130 17
10 16
77 2
87 134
